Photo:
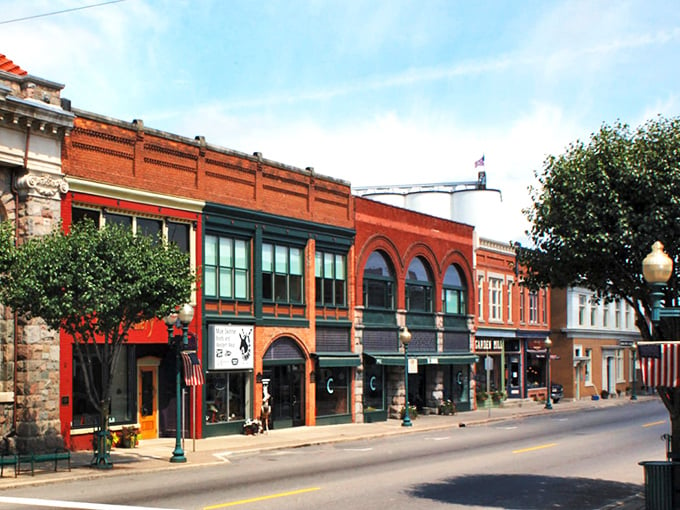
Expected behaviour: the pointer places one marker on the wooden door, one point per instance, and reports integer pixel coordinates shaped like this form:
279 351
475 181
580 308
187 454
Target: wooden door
147 398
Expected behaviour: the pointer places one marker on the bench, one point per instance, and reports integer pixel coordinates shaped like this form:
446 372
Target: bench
32 459
8 459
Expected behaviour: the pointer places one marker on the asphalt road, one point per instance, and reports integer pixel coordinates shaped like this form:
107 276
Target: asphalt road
582 461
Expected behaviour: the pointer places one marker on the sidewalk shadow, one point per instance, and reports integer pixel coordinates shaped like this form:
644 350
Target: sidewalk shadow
526 492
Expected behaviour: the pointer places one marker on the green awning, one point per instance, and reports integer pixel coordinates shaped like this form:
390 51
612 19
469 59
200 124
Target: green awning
434 358
337 359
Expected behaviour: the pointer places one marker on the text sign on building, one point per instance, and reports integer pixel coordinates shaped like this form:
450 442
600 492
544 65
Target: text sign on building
230 347
485 344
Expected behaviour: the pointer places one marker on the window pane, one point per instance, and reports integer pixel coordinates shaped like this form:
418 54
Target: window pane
210 250
340 267
318 289
340 293
78 214
296 263
118 219
452 277
210 283
376 265
267 286
318 261
280 287
416 298
328 260
241 254
149 227
328 291
376 294
178 233
268 258
417 271
281 259
241 284
226 256
296 289
225 283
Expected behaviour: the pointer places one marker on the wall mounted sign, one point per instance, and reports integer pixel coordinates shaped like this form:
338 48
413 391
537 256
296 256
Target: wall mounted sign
230 347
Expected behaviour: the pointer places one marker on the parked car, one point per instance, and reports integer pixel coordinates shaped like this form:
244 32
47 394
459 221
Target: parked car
557 392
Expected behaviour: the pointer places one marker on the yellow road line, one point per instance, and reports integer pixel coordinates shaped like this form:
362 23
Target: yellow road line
533 448
262 498
654 423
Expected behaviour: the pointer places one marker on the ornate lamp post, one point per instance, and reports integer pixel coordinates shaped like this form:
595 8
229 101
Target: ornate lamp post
548 383
405 339
184 315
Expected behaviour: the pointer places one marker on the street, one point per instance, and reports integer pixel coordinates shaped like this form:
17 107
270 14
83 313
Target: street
578 460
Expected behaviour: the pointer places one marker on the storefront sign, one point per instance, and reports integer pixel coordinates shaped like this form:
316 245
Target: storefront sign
230 347
413 365
484 344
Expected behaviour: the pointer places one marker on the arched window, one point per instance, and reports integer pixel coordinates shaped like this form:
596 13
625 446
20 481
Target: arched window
378 282
454 292
418 287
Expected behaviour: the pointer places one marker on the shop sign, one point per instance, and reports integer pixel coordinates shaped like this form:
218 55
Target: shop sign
486 344
413 365
230 347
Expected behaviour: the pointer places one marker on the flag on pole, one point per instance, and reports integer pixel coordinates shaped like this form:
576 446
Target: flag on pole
193 371
660 363
479 162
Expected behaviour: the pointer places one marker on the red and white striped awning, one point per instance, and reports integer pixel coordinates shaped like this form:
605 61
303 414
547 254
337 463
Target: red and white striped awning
660 363
193 371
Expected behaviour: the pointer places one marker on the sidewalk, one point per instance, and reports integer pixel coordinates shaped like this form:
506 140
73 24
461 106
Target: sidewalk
153 455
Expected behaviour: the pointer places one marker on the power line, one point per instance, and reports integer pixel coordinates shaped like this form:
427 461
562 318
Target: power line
59 12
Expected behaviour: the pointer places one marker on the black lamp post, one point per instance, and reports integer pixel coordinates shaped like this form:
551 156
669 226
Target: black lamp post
184 315
633 350
405 339
548 383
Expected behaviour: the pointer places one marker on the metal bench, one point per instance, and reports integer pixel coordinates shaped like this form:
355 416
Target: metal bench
8 459
36 458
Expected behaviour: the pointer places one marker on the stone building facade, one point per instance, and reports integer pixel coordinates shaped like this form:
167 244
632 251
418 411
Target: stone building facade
33 124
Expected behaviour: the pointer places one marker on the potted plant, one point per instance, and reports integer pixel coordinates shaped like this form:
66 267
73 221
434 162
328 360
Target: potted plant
498 396
252 427
129 436
447 408
412 412
482 396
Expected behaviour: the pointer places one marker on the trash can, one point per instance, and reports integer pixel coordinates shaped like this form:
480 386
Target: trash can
658 484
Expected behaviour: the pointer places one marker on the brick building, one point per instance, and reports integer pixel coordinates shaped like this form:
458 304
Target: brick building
412 270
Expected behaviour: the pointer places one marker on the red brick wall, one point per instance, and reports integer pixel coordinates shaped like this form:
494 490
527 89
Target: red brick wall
403 235
128 155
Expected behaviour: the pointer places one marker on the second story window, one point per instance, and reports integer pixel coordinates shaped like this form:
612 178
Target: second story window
511 286
495 299
480 297
522 305
227 264
418 287
331 280
282 273
533 308
378 283
453 293
581 310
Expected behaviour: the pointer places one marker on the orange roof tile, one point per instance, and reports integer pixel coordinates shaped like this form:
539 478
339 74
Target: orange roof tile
10 67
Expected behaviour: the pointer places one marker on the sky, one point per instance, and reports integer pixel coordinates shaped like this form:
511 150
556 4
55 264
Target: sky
368 91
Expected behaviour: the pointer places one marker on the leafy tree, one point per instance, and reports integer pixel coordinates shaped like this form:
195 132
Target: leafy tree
94 284
597 211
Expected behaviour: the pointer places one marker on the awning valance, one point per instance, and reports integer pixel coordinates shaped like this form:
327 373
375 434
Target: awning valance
337 359
435 358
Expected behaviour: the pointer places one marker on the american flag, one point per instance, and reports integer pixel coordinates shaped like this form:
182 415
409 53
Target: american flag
479 162
660 363
193 371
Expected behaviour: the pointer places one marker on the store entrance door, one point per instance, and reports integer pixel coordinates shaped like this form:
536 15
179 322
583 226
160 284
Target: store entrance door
286 386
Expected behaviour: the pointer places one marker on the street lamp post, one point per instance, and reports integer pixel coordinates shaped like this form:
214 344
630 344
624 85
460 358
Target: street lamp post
548 398
405 339
633 350
184 315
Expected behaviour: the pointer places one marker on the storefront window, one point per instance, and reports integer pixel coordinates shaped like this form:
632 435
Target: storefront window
225 398
457 383
122 401
373 388
332 391
535 372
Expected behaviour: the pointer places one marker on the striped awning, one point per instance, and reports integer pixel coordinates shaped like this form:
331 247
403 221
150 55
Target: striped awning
193 371
660 363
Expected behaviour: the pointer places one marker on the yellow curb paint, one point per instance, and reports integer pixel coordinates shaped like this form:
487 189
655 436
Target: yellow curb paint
533 448
262 498
654 423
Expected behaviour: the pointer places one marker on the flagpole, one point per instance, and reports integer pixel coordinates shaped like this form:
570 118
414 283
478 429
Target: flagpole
193 418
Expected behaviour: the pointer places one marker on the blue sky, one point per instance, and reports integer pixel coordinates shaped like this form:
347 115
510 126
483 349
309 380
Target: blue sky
372 92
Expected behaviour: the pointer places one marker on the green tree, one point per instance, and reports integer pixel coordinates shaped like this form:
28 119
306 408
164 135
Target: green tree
597 211
94 284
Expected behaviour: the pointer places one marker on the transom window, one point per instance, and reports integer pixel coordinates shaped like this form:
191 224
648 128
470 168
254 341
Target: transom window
282 273
418 287
378 282
227 268
454 295
331 280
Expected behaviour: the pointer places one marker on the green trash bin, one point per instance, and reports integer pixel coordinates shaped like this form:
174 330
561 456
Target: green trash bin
658 484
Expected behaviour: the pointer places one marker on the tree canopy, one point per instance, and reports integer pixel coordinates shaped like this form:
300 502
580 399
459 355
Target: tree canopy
599 207
94 284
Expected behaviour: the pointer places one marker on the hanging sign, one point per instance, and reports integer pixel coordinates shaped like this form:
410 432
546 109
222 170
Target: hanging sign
230 347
